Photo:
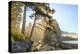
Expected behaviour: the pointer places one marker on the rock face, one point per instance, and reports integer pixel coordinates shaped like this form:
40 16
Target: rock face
58 31
45 36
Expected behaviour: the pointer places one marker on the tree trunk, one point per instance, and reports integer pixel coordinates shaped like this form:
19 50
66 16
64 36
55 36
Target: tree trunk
33 26
24 20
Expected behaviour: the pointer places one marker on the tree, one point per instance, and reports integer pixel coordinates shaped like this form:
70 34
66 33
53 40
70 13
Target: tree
30 5
16 10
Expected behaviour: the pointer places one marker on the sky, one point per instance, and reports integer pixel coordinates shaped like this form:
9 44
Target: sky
65 14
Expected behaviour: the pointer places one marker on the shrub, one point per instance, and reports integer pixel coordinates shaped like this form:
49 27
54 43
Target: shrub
16 35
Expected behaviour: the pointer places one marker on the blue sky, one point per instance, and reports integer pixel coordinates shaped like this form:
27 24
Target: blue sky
66 16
